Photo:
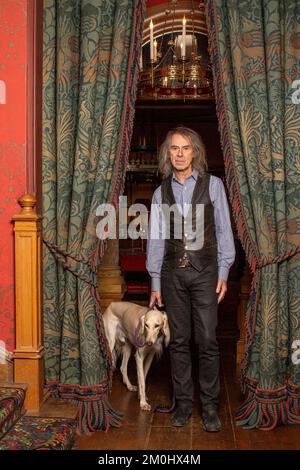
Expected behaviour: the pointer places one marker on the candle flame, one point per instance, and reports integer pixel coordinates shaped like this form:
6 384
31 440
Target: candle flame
151 24
184 20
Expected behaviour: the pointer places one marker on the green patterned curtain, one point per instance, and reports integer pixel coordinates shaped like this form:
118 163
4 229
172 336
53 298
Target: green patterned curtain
255 54
91 50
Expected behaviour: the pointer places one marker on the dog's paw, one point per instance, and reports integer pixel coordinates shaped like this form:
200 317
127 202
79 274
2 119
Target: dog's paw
132 388
145 406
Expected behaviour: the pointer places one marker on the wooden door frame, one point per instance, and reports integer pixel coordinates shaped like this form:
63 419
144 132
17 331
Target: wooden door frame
34 79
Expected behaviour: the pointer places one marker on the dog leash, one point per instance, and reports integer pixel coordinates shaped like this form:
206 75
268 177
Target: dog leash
165 408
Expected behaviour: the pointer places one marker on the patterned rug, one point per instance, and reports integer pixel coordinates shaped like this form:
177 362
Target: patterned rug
35 433
11 405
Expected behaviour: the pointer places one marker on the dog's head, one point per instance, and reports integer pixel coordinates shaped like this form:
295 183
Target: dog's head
153 324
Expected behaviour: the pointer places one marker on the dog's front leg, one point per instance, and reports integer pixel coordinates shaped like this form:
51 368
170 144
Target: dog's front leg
139 358
126 355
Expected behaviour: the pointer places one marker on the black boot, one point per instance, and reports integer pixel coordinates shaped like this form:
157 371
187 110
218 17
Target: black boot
210 418
181 416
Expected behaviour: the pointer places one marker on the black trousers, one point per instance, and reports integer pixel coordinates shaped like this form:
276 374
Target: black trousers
190 298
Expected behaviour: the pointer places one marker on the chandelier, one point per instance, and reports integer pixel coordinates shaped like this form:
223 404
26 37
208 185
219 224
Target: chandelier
174 62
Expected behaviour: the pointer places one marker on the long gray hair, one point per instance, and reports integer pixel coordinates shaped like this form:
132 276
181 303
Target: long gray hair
199 159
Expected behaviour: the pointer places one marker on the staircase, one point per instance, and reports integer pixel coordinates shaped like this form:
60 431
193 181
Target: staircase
11 407
21 432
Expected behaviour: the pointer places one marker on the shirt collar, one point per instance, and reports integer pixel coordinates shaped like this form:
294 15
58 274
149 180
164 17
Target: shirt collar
194 175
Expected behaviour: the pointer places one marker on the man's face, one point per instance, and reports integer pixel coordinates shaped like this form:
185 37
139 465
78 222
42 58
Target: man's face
181 153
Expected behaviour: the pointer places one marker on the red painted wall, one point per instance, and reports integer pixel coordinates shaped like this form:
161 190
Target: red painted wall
12 148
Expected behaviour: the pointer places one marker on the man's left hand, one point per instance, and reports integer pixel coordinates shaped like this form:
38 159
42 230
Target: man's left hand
221 289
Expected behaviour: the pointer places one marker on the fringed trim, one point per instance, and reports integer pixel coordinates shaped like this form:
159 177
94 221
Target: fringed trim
266 409
226 141
95 413
104 347
129 98
127 117
250 320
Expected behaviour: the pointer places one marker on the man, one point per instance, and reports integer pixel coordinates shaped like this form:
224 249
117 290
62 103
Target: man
189 270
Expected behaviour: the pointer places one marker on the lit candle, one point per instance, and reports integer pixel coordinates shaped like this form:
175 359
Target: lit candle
151 40
181 49
183 36
155 51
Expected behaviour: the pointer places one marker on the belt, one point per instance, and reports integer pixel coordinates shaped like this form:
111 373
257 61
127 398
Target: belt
183 263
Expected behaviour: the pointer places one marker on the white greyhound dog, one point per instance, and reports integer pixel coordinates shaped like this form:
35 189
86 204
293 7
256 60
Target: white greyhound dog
127 324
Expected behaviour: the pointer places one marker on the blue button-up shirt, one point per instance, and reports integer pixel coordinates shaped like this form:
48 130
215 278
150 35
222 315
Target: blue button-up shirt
183 196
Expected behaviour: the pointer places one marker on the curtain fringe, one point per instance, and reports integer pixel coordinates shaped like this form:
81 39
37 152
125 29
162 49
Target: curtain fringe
97 415
102 336
94 412
226 141
127 117
265 409
250 319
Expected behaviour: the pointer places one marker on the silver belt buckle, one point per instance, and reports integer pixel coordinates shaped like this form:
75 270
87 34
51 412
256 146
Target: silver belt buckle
184 263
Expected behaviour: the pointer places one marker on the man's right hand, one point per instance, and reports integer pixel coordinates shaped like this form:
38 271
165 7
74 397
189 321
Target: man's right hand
155 298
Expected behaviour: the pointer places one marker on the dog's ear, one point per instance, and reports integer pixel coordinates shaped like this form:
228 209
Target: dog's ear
166 329
142 323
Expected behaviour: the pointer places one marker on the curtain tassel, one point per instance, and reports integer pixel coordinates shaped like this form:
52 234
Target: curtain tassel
258 412
97 415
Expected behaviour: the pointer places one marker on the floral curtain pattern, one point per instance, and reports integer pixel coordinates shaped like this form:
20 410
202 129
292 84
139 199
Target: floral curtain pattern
91 51
255 55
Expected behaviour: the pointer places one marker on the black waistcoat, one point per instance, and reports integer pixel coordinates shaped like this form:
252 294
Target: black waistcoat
203 252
